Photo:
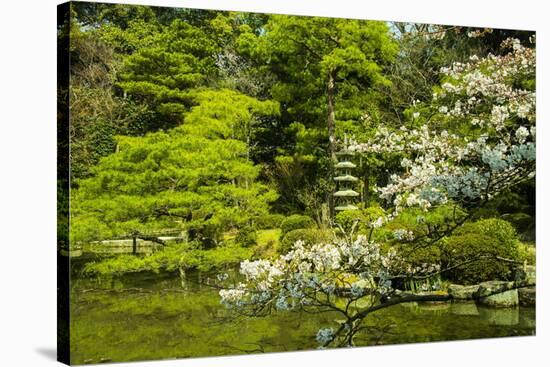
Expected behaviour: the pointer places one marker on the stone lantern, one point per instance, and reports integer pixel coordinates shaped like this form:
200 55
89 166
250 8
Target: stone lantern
345 195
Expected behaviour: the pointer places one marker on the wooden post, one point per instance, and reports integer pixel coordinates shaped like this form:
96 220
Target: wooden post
134 245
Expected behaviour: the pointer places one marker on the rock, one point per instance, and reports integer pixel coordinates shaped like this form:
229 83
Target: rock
424 304
493 287
505 299
464 308
527 296
500 316
494 294
463 292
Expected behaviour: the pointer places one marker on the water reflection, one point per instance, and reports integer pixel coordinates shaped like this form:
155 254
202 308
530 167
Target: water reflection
153 317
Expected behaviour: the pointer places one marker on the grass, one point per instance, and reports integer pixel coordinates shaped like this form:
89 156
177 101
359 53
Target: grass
267 243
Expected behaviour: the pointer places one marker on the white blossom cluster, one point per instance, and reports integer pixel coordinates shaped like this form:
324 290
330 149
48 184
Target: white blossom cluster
403 235
424 269
439 166
301 276
324 336
318 276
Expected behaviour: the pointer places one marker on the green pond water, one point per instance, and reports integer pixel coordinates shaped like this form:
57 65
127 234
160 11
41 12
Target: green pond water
144 317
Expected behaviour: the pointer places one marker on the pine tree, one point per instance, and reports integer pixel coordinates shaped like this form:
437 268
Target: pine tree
196 176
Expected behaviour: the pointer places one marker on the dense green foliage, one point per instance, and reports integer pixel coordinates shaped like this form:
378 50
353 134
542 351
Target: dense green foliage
347 219
203 155
318 63
170 259
477 249
295 221
222 127
269 221
247 236
197 174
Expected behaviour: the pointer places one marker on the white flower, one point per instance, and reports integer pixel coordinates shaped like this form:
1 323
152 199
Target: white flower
403 235
521 134
377 223
523 110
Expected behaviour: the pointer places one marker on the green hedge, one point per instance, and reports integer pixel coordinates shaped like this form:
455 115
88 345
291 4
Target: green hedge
269 221
346 219
419 255
296 221
477 245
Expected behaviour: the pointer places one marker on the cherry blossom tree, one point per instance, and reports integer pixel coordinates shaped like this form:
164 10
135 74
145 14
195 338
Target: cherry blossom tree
476 139
479 141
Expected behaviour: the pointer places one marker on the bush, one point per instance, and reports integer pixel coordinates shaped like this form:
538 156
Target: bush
309 235
296 221
487 238
217 258
418 255
168 259
365 217
246 237
413 219
346 219
501 230
372 213
269 221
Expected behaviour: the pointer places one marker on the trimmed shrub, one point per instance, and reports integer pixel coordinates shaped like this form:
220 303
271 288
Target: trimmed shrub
501 230
296 221
309 235
346 219
269 221
468 250
372 213
418 255
478 245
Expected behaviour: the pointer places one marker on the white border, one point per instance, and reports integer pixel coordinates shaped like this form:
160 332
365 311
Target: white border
27 180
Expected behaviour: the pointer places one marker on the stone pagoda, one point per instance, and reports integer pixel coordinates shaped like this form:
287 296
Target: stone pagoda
345 195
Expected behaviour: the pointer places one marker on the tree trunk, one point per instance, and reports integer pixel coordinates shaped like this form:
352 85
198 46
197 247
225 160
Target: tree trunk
331 134
330 118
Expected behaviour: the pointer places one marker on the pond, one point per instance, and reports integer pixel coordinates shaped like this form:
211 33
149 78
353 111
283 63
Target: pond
143 317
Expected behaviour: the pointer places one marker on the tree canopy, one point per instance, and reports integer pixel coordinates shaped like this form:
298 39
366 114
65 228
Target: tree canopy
195 175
